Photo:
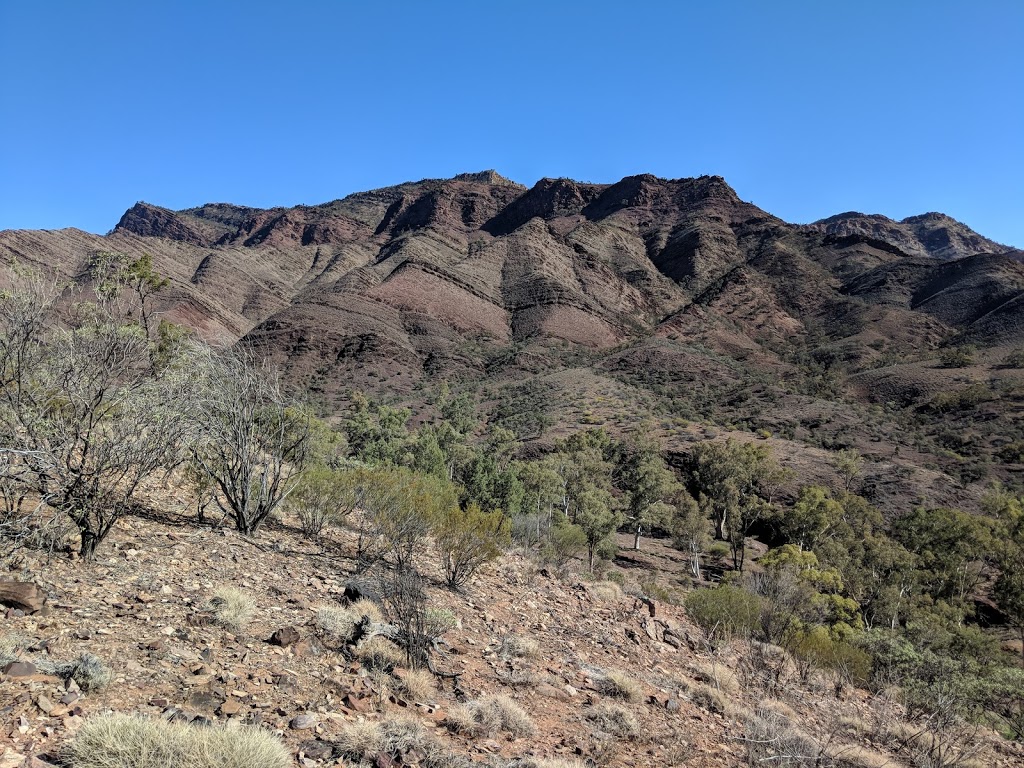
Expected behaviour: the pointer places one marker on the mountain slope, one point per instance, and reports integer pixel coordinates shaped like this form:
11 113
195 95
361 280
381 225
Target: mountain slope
571 303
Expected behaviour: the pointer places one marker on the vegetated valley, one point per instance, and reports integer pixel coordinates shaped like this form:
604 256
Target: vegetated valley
462 473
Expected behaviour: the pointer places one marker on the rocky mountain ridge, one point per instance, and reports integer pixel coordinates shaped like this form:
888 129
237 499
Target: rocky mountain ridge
573 303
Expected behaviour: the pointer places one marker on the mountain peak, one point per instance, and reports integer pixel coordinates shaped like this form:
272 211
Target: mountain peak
491 177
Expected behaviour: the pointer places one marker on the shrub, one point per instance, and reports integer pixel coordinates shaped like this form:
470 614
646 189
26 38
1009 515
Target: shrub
438 621
467 539
565 542
324 496
619 685
89 672
614 720
486 716
818 648
724 612
123 741
957 357
232 608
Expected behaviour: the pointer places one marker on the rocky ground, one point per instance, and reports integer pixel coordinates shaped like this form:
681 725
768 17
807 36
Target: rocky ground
142 608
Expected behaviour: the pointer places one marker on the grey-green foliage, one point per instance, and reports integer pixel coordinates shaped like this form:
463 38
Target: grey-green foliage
91 405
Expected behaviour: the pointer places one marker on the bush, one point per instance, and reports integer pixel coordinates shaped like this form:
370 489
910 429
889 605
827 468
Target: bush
438 621
818 648
467 539
324 496
487 716
613 720
89 672
566 542
957 357
724 612
122 741
232 608
619 685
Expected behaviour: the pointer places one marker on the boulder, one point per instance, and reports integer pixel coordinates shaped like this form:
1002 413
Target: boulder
21 595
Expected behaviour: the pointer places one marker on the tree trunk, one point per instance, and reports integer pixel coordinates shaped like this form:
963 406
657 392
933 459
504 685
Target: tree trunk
90 541
591 551
636 538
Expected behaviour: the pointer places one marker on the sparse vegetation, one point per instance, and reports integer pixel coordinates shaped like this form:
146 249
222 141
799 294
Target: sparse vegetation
613 719
122 741
487 716
232 608
619 685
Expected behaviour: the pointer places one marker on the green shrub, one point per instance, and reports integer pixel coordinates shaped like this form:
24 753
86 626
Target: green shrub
123 741
467 539
724 612
818 648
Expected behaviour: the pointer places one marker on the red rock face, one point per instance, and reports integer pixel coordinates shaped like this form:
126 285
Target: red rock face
441 278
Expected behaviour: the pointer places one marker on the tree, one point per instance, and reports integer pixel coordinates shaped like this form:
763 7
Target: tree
467 539
254 440
691 529
86 417
735 483
647 482
814 516
849 464
597 517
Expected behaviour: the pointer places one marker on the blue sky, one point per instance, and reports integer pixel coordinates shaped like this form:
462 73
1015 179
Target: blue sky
806 108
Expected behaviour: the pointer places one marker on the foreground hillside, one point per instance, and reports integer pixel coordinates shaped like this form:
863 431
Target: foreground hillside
541 636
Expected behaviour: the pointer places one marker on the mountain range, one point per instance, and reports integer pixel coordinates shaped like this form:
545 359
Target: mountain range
668 302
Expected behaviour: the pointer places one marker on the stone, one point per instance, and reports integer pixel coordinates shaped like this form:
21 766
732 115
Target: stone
20 669
230 707
284 637
303 722
45 705
317 750
21 595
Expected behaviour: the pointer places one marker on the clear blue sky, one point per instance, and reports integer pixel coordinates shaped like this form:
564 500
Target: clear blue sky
807 108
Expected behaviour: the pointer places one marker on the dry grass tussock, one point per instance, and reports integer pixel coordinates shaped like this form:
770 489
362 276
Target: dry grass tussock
418 684
857 756
718 676
605 591
380 653
547 762
614 720
88 671
123 741
618 685
365 741
232 608
515 646
487 716
340 621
